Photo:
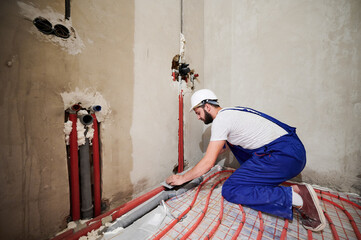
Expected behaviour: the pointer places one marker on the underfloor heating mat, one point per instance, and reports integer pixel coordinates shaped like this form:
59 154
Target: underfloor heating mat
202 213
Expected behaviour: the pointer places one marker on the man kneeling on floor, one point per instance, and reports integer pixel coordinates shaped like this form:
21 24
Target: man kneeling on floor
269 152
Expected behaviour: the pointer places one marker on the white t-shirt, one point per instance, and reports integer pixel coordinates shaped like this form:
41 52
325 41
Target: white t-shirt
245 129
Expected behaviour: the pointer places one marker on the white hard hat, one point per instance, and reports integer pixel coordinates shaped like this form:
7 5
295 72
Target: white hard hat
203 96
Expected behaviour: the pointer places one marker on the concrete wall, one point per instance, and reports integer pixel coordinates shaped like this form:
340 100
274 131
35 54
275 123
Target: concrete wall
122 50
300 62
154 130
296 60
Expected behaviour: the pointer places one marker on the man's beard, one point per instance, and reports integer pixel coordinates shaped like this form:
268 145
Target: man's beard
207 118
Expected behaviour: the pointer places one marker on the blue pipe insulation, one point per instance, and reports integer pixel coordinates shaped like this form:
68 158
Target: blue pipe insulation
127 220
96 108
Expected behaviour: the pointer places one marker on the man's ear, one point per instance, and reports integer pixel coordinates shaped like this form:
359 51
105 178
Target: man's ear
207 107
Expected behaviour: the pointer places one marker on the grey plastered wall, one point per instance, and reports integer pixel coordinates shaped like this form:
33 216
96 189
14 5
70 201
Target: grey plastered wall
300 62
125 54
34 71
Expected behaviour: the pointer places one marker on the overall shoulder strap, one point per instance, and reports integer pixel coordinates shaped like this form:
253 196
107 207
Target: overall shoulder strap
286 127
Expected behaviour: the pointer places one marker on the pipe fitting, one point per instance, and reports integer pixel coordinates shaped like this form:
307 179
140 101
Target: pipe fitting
96 108
86 119
75 107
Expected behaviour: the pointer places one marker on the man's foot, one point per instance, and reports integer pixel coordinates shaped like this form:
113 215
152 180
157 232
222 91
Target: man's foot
311 213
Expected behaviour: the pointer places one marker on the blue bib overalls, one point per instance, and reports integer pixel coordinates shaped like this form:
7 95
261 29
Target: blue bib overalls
256 182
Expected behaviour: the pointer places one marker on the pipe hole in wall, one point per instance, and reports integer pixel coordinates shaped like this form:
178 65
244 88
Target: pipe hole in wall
84 163
44 26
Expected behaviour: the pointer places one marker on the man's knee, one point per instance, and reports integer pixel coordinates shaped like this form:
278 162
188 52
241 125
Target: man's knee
228 191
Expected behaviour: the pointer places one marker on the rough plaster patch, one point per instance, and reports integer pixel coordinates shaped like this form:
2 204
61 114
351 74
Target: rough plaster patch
87 98
73 45
93 235
182 46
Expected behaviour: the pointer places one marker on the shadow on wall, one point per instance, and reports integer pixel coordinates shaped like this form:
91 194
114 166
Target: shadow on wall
226 159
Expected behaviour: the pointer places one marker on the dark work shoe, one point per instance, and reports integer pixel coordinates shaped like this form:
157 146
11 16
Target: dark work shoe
311 213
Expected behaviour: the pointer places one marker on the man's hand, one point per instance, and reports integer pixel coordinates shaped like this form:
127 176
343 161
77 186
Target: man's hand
175 180
204 165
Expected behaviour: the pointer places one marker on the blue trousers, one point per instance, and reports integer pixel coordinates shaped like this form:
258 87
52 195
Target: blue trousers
256 182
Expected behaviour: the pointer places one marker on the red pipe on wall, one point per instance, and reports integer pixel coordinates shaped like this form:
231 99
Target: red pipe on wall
74 169
180 135
96 168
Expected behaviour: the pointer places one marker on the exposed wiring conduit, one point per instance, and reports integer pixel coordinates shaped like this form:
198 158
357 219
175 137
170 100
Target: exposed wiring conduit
67 9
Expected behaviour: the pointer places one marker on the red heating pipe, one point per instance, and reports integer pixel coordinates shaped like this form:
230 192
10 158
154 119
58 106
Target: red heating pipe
96 168
239 229
352 221
180 135
309 234
199 220
338 197
175 221
261 226
74 169
284 231
350 218
333 228
209 236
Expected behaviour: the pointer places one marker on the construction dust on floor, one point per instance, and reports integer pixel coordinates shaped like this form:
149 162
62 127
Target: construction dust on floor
202 213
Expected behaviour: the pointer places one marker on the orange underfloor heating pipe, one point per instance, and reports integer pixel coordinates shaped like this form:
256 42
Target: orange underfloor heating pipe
338 197
332 226
350 218
175 221
284 231
239 229
211 233
261 226
309 235
199 220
